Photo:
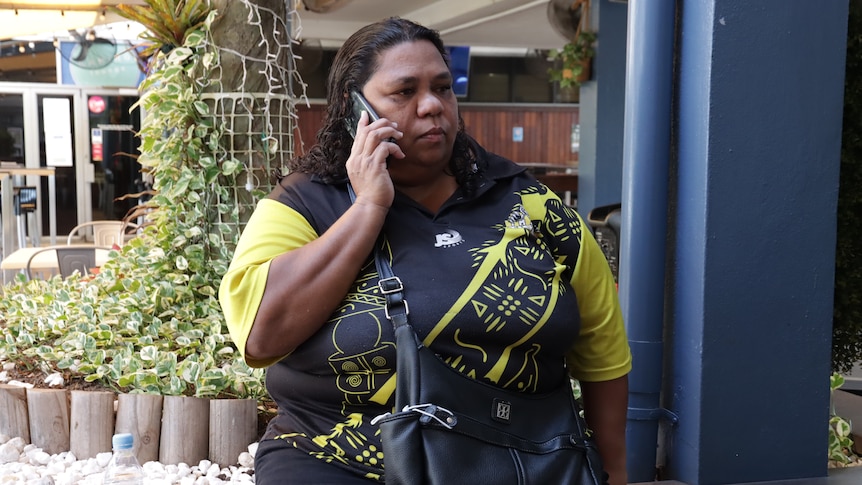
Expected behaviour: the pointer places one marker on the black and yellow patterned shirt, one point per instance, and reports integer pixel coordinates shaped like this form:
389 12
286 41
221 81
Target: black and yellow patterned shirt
502 285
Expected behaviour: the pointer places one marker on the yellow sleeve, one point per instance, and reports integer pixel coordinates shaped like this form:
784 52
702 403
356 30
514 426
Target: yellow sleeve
601 352
273 229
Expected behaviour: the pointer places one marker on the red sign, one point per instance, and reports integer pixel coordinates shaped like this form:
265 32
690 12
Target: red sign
96 104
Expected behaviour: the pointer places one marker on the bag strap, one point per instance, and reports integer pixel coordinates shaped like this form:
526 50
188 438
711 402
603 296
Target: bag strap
391 287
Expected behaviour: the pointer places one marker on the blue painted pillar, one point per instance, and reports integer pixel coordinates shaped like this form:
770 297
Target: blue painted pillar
759 106
602 110
646 162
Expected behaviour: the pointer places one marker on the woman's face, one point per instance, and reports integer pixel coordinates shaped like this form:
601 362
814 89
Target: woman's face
413 87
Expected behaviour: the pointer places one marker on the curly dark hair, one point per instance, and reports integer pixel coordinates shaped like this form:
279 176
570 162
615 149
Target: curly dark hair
355 62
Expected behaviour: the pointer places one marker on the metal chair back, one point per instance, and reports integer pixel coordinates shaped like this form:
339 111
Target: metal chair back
105 233
69 259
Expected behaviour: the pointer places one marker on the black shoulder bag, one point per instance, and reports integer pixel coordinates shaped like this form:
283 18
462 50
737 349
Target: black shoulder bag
451 428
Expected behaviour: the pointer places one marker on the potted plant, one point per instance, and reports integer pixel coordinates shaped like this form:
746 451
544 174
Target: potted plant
572 62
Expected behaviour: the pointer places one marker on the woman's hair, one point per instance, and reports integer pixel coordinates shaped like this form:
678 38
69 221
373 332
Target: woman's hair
355 62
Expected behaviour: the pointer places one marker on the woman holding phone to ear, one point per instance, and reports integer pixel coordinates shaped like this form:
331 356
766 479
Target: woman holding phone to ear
301 296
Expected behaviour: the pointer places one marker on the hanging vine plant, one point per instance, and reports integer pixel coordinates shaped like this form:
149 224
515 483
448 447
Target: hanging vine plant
149 321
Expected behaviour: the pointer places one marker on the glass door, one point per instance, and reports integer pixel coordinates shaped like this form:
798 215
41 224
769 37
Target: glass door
11 129
113 153
11 156
86 137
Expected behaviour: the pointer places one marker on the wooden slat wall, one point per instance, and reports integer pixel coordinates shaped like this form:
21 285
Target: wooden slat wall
310 121
547 130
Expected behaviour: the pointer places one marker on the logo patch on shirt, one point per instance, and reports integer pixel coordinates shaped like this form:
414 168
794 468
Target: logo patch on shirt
448 239
519 219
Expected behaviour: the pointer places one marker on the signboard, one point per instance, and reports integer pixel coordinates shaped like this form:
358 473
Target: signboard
56 113
96 143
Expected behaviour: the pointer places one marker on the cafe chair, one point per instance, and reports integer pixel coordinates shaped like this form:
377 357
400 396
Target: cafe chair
104 233
69 260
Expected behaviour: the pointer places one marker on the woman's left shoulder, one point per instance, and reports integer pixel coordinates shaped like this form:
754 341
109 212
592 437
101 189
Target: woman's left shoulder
499 167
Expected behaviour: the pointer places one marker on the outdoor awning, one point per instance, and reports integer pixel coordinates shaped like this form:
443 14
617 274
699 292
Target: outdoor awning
34 17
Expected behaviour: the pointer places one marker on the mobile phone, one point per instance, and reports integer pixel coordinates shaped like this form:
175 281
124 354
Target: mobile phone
358 105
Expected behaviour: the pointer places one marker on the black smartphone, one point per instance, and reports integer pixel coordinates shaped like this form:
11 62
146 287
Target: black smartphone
359 104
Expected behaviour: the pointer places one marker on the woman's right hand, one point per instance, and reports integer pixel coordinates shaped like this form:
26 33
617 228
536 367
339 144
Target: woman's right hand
367 164
305 285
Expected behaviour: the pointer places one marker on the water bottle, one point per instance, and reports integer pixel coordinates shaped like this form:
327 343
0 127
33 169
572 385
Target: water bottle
123 469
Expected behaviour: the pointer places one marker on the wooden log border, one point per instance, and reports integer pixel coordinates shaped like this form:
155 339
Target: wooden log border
59 420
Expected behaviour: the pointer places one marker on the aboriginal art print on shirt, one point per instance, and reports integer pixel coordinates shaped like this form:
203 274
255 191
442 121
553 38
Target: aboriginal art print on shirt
501 318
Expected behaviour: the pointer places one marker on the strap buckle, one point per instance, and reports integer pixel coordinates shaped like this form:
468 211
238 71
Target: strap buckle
386 310
390 285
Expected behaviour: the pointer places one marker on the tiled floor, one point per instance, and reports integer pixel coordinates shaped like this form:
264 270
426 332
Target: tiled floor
837 476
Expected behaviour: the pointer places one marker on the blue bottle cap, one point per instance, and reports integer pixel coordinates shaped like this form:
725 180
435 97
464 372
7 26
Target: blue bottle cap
123 441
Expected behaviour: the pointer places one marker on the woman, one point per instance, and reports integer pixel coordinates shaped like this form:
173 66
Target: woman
502 279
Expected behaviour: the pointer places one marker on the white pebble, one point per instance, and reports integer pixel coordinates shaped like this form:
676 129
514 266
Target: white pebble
13 382
103 458
154 468
245 459
55 379
38 457
27 464
91 467
18 443
29 473
54 467
68 478
8 453
41 481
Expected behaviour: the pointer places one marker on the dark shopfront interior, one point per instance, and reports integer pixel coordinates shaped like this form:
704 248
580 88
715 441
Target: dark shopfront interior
113 149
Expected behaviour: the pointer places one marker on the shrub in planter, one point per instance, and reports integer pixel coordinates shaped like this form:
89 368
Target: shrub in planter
150 321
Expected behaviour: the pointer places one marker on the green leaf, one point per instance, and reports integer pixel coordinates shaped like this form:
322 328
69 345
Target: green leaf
149 353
